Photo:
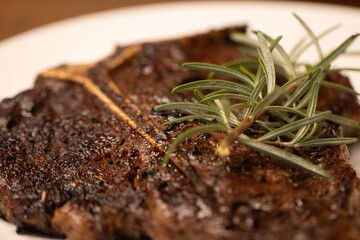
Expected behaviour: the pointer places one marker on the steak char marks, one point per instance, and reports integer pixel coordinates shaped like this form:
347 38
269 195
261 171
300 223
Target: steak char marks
80 157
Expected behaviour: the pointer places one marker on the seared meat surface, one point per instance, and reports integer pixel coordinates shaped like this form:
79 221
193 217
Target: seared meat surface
80 158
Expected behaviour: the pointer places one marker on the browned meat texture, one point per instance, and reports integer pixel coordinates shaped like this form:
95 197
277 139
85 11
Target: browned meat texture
80 154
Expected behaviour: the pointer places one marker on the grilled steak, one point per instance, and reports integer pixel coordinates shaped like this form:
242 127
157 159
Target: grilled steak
80 154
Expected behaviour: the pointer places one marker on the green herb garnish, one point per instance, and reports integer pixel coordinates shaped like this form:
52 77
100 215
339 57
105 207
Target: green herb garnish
290 109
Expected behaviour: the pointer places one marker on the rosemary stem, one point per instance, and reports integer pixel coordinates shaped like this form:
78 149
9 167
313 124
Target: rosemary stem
277 142
223 149
297 123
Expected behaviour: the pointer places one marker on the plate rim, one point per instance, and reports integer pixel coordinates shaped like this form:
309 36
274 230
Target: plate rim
102 13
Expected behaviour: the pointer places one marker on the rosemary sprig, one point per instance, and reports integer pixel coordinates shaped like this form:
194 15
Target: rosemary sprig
236 108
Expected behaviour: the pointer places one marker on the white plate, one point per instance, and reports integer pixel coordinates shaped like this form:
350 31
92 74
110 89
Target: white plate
91 37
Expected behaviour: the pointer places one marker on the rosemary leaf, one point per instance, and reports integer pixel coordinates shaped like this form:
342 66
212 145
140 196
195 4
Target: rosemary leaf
280 115
247 73
227 96
269 99
301 46
267 60
312 132
186 105
198 95
304 101
191 111
246 63
292 82
224 106
339 87
334 54
260 76
256 92
343 121
219 70
188 133
286 61
269 124
314 92
302 88
203 116
312 36
243 38
294 126
213 84
345 69
284 156
285 109
274 42
242 105
326 142
215 92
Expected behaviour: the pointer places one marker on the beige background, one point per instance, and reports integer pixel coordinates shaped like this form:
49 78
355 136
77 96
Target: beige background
19 15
